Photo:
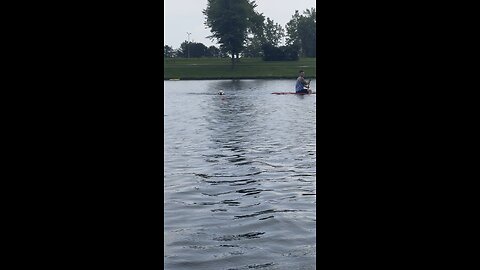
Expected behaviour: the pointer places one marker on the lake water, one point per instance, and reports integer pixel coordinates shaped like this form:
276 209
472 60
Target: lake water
239 175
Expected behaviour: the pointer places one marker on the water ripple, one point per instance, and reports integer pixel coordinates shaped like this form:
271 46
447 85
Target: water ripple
239 176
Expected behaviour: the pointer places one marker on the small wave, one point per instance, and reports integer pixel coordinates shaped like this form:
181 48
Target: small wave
253 266
264 212
203 175
251 191
218 210
238 182
230 202
250 235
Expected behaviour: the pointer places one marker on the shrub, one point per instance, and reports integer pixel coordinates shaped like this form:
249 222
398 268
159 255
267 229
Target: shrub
284 53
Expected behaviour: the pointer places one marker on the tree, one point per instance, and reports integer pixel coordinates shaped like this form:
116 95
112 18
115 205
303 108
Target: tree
307 32
177 53
273 32
183 50
228 21
271 52
192 49
256 36
213 51
167 51
197 49
253 47
283 53
270 33
223 52
302 32
290 53
292 30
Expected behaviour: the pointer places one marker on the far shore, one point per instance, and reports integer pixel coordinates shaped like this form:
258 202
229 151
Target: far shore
236 78
246 69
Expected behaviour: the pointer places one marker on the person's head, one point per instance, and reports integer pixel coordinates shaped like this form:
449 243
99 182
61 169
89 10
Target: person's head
302 73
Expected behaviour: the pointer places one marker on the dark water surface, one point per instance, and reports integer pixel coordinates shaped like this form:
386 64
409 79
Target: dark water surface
239 176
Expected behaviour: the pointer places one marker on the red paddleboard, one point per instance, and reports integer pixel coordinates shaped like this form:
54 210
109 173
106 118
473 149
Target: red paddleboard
291 93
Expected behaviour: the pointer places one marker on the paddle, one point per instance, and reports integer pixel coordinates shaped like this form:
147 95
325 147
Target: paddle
308 86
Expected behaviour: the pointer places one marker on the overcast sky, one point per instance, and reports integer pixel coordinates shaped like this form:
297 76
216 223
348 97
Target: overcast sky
182 16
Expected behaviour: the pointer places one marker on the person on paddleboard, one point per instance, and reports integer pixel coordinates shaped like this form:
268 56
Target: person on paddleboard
302 86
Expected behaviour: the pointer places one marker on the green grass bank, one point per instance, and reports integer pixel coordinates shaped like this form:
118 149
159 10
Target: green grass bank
247 68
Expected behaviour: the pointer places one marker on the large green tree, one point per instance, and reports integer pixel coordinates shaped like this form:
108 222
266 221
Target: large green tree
228 21
292 30
273 32
256 36
263 32
302 32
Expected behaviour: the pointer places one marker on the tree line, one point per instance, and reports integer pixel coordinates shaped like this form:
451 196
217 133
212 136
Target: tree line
193 50
242 31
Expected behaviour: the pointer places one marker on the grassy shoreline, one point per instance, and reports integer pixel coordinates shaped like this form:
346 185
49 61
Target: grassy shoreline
247 68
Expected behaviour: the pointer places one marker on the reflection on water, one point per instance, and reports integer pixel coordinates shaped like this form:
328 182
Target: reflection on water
239 176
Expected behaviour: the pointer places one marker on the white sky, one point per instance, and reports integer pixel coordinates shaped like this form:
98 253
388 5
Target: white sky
182 16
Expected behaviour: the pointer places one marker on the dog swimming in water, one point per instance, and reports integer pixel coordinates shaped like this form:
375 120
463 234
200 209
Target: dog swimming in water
221 93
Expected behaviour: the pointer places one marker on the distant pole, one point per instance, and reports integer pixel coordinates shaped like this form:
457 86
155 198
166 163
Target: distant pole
188 45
